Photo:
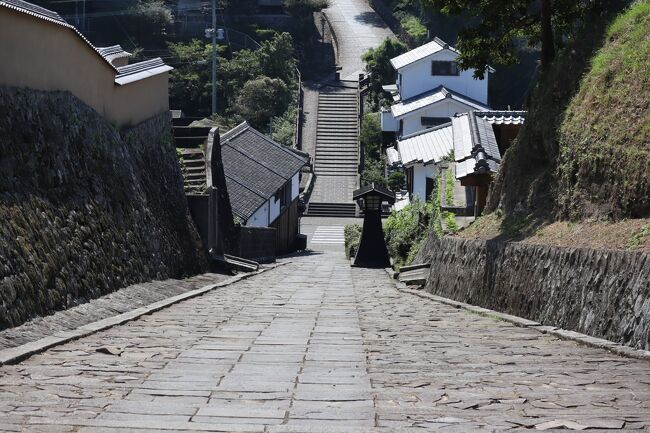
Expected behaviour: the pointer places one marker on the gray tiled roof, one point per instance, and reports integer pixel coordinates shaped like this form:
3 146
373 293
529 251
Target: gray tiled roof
256 167
475 146
137 71
427 146
503 117
432 97
419 53
244 202
113 52
34 10
48 15
124 75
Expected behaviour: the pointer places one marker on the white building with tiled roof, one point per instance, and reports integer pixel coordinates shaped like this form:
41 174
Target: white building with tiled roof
475 139
430 89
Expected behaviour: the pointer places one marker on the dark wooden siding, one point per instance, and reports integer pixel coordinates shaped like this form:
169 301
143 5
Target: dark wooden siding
287 226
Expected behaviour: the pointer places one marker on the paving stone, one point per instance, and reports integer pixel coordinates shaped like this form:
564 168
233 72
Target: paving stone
317 346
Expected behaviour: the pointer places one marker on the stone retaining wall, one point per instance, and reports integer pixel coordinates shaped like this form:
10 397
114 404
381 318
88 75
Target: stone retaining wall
603 293
85 209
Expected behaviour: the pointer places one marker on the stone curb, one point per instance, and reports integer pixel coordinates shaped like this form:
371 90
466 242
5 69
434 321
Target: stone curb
20 353
560 333
335 41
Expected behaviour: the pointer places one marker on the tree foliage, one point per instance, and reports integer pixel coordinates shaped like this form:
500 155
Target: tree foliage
191 83
378 66
261 99
304 8
148 20
498 26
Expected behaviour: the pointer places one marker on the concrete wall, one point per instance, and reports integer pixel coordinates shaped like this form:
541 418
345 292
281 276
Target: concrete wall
85 208
417 79
45 56
603 293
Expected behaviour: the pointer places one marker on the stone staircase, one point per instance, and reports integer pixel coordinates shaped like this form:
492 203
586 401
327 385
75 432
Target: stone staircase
190 142
345 210
337 140
336 162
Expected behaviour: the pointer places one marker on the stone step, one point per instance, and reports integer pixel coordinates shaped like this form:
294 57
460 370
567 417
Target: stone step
190 131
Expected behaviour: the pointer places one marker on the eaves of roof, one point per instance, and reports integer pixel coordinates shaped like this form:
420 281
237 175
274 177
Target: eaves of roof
52 17
421 52
427 99
138 71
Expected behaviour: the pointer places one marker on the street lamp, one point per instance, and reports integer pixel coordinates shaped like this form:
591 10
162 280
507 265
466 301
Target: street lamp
372 251
322 34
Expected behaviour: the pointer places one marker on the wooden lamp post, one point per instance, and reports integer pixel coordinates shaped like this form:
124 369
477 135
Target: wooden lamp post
372 252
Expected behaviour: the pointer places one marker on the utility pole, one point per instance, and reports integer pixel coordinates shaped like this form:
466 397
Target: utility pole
214 57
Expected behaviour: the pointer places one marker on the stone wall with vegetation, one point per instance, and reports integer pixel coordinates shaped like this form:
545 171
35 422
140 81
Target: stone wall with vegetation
84 209
604 293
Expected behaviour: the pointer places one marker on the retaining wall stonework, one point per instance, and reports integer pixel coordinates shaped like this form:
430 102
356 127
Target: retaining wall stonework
85 209
603 293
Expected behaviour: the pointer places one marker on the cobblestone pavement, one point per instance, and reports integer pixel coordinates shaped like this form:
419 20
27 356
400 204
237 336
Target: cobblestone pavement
112 304
316 346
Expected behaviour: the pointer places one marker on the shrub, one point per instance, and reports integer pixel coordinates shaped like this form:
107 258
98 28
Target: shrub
414 28
352 235
284 126
381 72
370 136
396 180
373 172
405 230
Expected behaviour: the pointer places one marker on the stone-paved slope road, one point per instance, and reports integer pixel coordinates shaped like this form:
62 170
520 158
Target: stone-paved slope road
316 346
357 28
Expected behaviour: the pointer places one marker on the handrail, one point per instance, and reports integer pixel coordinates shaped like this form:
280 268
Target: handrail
297 136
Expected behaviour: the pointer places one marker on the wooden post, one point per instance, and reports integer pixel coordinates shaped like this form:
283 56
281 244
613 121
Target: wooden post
481 198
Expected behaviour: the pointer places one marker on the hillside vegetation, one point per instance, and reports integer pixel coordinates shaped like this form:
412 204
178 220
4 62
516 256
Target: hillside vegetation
604 161
585 153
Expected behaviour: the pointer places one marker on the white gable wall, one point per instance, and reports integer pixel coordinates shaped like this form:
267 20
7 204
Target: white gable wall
274 207
420 174
416 79
267 213
295 186
447 108
261 216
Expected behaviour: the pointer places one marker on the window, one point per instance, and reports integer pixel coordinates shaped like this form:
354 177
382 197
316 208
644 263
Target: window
428 122
444 68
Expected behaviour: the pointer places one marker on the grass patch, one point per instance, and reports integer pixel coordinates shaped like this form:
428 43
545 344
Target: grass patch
352 236
639 237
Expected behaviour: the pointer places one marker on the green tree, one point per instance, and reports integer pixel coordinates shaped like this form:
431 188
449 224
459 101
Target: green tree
148 20
304 8
370 135
261 99
378 66
190 83
498 26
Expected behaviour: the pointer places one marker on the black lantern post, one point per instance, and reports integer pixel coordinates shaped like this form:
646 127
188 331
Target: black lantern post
372 252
